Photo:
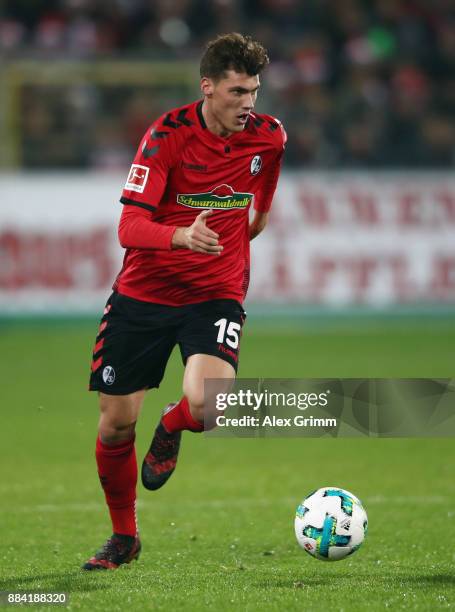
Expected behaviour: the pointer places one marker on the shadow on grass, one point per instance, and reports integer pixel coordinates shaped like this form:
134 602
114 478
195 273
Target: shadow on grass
419 581
444 579
68 582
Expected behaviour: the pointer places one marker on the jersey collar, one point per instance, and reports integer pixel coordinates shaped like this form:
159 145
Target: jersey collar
200 115
214 137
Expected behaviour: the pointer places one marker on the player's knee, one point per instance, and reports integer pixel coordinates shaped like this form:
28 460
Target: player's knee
112 431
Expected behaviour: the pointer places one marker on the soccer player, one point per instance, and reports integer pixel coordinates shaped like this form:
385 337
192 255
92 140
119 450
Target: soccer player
186 230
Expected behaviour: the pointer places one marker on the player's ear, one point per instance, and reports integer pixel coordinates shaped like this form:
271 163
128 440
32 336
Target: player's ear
207 87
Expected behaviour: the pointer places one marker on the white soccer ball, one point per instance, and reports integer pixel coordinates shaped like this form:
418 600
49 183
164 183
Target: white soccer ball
330 524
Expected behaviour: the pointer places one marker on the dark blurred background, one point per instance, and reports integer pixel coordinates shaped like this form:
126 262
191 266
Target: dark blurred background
358 83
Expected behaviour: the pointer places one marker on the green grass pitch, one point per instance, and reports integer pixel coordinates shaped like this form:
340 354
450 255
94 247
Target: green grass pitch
219 535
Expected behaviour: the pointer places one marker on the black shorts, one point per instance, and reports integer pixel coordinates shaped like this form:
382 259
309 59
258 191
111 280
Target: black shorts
135 340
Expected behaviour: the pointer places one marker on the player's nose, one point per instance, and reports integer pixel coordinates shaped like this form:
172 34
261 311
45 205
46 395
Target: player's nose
248 102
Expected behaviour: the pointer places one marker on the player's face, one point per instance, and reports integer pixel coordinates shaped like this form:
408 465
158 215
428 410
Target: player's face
229 101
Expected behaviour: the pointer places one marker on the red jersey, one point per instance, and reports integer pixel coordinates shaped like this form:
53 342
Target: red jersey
180 169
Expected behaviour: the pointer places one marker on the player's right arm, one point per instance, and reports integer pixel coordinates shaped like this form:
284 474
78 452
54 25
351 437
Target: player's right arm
137 231
142 194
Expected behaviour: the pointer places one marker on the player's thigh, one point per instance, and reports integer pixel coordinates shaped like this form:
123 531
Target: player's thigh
212 328
209 342
132 348
204 377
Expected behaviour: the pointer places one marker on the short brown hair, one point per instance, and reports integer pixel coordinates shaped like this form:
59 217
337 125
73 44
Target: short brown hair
233 52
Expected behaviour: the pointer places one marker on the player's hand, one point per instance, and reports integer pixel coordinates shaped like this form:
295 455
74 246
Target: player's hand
197 237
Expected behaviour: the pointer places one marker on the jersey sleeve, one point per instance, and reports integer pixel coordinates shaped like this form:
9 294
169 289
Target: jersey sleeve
136 230
148 174
264 198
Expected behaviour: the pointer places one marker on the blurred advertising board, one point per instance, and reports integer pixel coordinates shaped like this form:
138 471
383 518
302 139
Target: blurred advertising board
334 239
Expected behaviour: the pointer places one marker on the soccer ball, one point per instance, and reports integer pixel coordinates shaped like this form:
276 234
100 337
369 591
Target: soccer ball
330 524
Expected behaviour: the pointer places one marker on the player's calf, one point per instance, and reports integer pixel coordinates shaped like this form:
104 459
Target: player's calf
161 459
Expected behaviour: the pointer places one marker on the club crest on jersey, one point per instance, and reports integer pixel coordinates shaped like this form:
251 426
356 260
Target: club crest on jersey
222 196
256 164
109 375
137 178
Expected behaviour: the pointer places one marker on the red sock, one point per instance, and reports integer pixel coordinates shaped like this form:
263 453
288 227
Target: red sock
179 418
117 469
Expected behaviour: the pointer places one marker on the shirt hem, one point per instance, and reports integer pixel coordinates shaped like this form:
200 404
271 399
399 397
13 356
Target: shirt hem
163 302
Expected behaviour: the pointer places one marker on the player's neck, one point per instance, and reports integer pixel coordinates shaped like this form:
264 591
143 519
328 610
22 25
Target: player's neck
212 123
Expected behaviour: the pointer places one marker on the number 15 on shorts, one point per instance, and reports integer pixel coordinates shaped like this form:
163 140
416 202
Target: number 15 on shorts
228 332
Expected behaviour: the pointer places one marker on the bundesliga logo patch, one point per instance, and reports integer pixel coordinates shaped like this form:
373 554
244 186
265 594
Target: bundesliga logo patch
137 178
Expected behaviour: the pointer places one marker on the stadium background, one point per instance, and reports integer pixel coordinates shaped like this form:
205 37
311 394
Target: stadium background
354 277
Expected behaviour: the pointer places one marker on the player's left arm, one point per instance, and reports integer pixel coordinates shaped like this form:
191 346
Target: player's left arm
263 202
258 223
